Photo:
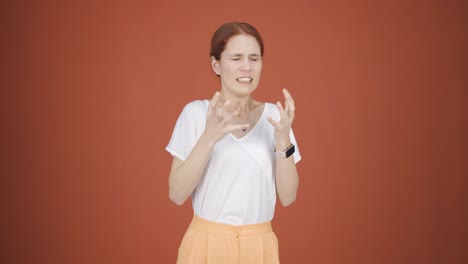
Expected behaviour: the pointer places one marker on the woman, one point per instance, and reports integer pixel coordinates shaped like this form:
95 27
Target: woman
233 155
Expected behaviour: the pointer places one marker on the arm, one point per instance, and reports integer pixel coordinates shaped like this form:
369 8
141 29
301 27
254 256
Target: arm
287 179
185 175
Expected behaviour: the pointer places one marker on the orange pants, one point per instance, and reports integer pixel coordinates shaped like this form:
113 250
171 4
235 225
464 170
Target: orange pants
207 242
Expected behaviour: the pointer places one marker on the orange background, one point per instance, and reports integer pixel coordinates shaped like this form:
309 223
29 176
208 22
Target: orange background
381 95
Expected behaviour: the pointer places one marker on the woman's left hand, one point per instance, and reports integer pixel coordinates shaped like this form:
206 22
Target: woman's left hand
283 126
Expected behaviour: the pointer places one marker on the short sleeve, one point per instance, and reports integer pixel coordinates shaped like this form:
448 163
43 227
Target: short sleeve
188 129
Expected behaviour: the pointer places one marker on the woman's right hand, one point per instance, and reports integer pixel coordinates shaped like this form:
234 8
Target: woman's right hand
220 119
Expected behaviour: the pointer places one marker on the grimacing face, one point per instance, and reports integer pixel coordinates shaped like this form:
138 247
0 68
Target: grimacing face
240 65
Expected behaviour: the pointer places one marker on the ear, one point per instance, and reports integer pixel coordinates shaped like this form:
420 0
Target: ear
215 65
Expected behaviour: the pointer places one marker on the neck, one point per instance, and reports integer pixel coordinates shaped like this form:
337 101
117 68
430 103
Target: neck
243 104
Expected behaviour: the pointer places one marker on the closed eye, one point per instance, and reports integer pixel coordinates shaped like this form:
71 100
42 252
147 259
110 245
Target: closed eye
255 58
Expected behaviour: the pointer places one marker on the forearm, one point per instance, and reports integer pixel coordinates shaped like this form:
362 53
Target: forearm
287 180
184 178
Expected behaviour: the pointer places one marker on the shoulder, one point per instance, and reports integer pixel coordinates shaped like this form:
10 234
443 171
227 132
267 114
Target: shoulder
197 107
271 109
270 106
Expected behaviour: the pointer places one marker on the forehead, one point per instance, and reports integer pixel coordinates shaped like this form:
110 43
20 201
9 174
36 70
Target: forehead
242 44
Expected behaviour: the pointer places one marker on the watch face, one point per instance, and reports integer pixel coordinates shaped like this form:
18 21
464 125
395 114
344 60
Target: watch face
290 151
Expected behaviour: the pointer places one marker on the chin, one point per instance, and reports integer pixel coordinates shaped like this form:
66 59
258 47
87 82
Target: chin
249 90
242 89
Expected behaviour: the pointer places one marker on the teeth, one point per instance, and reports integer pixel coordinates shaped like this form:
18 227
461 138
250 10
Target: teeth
244 79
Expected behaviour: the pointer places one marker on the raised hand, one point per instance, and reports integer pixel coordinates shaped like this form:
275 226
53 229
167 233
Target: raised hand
221 119
283 126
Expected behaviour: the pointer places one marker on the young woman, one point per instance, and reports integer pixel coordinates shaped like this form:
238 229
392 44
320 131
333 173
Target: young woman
233 155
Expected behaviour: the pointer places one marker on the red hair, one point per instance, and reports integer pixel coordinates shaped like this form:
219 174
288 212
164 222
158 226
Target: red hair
226 31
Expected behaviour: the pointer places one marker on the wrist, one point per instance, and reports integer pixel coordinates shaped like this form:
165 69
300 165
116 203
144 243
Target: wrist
285 153
207 140
282 145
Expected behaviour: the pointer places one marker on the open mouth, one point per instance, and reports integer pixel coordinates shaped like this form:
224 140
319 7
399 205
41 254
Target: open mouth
244 80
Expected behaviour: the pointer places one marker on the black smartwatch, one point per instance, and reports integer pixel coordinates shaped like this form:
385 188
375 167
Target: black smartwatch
286 153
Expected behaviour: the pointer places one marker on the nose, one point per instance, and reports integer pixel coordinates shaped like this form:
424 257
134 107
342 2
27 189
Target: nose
246 64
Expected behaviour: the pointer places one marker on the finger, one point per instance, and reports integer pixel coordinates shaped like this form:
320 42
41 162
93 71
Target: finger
232 128
230 108
237 110
228 113
225 108
214 101
219 113
229 117
281 111
290 108
286 93
288 100
291 116
272 122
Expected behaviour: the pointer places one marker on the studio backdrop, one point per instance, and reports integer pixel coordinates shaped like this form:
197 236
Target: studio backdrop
380 92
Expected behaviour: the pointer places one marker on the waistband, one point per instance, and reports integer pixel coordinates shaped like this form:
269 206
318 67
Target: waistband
230 230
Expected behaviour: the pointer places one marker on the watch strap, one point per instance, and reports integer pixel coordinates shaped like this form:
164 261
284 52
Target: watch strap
286 153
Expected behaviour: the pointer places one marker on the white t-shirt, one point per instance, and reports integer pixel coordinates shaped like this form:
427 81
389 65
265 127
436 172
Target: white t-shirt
238 184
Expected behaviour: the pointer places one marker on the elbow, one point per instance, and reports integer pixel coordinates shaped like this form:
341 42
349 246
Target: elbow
287 202
176 199
287 198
